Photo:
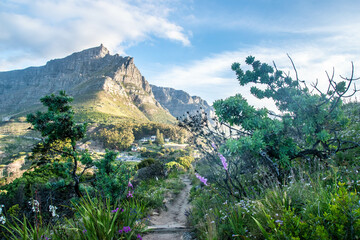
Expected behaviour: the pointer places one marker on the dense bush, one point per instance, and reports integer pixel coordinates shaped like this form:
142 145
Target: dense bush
156 170
181 163
151 154
169 131
112 177
145 163
285 175
48 184
316 207
118 137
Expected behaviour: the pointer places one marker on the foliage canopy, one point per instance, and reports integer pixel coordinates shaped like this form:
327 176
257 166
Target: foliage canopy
308 123
308 126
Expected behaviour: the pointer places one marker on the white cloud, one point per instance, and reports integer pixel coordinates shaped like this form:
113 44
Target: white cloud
49 28
212 78
316 40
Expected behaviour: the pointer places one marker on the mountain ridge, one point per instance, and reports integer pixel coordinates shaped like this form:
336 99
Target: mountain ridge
94 77
179 102
104 87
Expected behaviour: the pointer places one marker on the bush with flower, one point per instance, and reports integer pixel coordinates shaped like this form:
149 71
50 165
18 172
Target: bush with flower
286 164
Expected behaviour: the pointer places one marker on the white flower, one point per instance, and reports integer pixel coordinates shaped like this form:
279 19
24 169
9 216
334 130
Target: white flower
35 205
2 220
52 209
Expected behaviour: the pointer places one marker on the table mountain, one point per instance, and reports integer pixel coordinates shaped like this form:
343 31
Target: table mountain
104 86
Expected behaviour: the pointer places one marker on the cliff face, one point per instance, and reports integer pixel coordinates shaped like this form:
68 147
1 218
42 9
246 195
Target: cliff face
98 81
179 102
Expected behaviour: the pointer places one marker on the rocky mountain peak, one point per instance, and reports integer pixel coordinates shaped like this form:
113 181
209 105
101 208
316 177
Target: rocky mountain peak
85 56
178 102
99 82
92 53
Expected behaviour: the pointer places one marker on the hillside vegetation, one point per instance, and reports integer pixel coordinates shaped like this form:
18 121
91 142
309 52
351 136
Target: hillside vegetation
70 193
255 173
286 175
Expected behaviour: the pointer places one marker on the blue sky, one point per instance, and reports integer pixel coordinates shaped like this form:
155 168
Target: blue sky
187 44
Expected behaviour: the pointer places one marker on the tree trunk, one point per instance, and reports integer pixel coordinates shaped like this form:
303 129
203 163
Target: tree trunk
75 177
77 186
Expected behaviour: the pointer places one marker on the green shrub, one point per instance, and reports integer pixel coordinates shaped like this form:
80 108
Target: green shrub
174 166
337 219
117 137
25 230
96 218
151 154
185 161
112 177
152 192
145 163
216 217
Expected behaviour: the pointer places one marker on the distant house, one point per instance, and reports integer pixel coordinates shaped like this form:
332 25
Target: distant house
145 139
153 138
135 148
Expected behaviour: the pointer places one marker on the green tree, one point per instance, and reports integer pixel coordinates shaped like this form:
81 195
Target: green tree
307 128
117 137
57 125
112 177
307 125
159 137
161 140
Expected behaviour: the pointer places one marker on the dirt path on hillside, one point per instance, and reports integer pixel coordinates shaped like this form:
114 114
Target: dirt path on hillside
171 224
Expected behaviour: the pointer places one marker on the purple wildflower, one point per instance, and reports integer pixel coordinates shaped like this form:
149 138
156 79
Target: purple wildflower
130 194
130 185
202 179
279 222
139 237
213 145
121 231
127 229
115 210
223 161
84 231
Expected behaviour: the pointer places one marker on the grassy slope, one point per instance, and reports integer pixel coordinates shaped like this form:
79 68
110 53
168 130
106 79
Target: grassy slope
106 108
157 115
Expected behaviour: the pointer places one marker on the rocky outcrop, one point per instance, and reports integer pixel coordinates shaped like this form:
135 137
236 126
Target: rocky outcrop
97 80
179 102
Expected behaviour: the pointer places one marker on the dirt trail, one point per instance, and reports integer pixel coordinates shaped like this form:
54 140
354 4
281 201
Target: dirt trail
171 224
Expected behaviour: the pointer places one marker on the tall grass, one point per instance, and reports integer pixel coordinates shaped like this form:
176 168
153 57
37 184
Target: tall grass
321 205
95 218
